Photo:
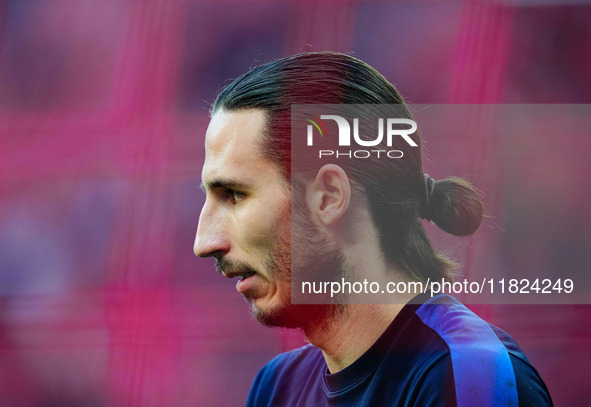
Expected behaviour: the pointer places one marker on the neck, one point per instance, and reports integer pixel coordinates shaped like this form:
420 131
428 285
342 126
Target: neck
350 334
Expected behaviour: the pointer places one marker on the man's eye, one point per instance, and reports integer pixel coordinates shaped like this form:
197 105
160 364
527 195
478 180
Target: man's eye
234 196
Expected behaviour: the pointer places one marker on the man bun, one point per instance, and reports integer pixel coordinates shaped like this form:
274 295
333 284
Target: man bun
454 206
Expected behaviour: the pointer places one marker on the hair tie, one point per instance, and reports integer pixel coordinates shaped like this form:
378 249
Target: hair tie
429 188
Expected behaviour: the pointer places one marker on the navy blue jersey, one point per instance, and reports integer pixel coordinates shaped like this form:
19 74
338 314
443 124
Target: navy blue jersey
438 353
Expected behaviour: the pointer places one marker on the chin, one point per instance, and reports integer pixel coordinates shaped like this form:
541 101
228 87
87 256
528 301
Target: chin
308 317
273 315
272 319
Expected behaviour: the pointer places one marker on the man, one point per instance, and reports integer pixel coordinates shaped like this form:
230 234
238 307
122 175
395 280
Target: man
267 217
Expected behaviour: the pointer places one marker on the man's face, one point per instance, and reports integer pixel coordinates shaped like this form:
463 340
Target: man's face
245 222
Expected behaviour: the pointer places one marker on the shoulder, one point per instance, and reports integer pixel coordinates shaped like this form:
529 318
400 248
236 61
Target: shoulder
289 370
487 365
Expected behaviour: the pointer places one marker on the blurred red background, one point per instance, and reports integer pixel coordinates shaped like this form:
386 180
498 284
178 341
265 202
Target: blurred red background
103 111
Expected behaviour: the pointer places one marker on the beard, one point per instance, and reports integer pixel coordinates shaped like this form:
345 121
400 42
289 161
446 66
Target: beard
308 317
314 259
309 256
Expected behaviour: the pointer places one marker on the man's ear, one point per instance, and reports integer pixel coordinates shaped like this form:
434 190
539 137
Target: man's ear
330 194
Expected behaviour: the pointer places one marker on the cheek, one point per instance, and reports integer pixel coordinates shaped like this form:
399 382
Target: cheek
260 227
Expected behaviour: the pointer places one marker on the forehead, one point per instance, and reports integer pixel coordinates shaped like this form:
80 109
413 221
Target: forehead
233 146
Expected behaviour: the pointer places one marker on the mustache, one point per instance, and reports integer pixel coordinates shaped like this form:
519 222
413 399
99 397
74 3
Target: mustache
224 266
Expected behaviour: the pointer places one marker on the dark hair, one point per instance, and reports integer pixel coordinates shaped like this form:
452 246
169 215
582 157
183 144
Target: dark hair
395 189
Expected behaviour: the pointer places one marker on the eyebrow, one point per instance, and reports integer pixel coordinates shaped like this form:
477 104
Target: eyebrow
229 184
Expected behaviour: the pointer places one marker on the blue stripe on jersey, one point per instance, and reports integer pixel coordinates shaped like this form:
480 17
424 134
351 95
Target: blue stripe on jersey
482 369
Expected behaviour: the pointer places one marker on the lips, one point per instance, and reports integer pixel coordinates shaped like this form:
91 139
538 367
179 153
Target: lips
247 278
248 283
236 273
244 276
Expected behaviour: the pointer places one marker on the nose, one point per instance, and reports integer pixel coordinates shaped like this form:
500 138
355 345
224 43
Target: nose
211 239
